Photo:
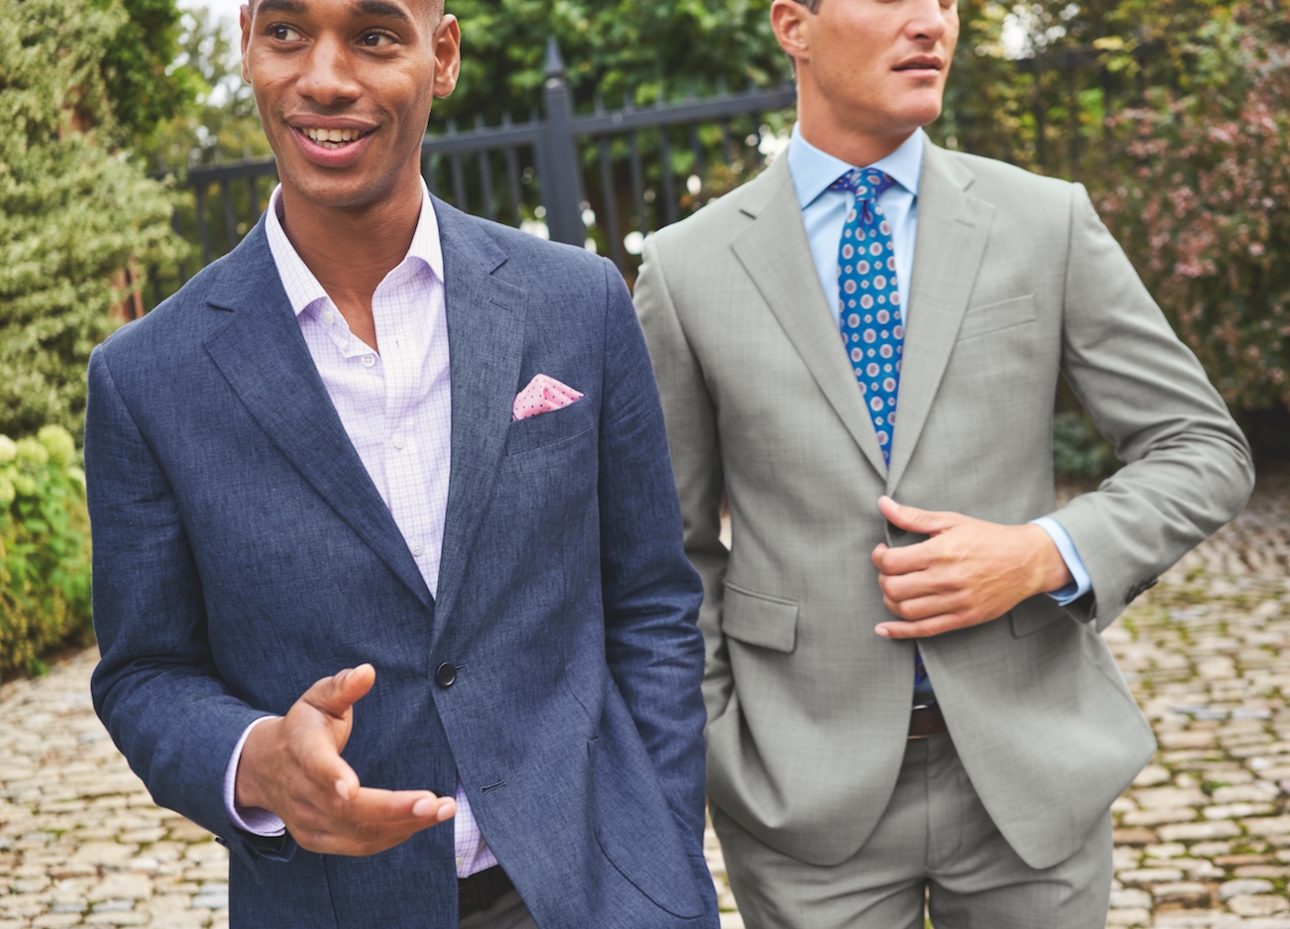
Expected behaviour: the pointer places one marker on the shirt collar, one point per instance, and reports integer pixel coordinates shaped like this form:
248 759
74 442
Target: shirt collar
813 170
299 282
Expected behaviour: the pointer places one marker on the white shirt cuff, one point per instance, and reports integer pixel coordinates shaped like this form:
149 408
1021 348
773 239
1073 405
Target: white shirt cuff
249 819
1082 583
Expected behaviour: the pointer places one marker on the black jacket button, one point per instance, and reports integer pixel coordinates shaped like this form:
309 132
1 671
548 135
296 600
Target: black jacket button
446 676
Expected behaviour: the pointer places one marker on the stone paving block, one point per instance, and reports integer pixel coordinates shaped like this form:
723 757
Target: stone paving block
1262 905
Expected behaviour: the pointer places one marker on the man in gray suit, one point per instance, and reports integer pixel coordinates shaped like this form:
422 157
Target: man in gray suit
914 701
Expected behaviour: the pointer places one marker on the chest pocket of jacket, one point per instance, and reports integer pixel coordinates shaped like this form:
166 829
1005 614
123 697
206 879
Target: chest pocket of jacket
994 317
758 619
551 428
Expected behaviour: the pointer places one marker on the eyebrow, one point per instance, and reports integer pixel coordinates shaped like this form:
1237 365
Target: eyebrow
361 8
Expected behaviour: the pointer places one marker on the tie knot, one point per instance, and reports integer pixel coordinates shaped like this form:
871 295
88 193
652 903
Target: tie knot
864 183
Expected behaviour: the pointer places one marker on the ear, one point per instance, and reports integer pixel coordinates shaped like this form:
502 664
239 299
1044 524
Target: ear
447 53
244 17
792 22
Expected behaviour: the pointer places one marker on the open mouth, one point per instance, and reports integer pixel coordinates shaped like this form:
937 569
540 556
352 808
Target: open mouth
333 138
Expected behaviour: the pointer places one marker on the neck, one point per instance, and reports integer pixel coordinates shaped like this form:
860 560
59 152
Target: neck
350 251
843 134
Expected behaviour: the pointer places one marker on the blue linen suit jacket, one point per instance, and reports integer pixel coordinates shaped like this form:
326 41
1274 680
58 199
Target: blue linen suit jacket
241 552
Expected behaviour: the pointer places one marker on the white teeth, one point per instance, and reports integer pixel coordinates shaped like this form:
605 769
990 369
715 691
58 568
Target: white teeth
333 138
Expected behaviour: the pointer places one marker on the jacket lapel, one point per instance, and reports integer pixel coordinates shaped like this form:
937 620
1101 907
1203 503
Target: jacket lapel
953 228
775 253
485 343
263 356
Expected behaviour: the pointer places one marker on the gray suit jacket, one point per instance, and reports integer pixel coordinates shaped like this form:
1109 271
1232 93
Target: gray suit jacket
1015 279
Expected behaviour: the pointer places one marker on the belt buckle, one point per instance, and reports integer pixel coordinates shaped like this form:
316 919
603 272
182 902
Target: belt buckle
917 707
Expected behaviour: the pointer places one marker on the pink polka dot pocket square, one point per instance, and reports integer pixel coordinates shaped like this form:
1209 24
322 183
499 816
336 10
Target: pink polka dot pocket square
543 395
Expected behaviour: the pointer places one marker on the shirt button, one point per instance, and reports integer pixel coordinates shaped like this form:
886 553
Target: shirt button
369 360
328 317
399 441
417 549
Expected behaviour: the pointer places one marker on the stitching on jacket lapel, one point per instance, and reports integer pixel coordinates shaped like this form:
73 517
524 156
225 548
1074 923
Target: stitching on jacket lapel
953 228
263 356
774 252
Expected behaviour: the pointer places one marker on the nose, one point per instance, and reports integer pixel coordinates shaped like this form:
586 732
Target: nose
928 20
328 77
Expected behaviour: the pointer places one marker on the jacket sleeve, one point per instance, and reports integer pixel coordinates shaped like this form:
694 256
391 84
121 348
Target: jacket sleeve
156 688
651 593
1188 468
691 419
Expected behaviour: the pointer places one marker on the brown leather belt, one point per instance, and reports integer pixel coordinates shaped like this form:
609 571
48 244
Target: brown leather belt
481 890
925 720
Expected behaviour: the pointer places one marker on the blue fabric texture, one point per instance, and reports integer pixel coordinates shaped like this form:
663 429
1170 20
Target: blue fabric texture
241 553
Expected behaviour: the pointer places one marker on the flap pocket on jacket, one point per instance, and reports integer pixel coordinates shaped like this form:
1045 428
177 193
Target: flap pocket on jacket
981 320
1029 616
757 619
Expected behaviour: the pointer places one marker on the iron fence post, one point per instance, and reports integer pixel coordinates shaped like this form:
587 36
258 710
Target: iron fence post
561 185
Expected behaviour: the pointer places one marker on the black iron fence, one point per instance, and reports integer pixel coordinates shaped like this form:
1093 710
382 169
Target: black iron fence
602 180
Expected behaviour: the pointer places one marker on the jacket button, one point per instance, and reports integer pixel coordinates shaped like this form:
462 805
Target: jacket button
446 676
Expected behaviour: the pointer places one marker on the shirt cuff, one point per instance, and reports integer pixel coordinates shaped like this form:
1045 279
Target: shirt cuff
1082 583
249 819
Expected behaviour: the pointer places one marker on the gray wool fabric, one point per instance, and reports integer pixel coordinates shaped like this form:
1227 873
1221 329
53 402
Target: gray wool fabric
1015 281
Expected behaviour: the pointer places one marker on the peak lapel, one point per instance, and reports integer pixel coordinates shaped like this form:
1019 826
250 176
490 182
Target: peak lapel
953 228
776 255
485 343
263 356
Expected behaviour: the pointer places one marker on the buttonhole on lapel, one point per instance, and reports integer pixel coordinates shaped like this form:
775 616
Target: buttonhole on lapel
485 790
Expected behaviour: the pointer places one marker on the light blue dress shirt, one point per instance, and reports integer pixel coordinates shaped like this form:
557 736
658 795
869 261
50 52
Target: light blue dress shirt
824 212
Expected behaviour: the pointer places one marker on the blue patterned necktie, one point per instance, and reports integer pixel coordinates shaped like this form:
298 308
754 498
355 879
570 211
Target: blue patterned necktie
869 305
872 319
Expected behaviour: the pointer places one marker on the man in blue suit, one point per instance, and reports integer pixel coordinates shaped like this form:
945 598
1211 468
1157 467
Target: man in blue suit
388 572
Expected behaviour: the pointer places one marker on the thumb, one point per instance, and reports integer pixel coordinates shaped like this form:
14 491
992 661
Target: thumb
913 519
335 695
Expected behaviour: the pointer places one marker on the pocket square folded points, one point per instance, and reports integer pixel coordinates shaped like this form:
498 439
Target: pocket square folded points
543 395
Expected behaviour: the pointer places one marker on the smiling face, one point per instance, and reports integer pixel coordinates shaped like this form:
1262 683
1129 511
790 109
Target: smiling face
876 67
344 89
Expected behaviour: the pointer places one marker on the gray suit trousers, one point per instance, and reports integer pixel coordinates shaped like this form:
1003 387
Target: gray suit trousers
934 846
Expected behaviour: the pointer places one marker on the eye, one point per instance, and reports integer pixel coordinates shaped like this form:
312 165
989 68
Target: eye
375 40
283 33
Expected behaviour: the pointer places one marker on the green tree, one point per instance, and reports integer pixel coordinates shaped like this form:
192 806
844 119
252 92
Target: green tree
652 49
73 213
143 80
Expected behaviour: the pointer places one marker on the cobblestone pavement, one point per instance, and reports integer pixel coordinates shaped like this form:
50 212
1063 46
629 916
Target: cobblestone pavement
1202 837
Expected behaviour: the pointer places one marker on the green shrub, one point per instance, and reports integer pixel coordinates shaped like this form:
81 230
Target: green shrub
44 549
1079 453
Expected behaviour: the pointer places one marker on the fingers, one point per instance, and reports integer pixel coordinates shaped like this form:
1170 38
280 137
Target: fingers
371 822
335 695
913 519
923 629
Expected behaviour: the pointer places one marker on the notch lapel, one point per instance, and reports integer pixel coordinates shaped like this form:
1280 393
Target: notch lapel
263 356
775 253
953 228
485 343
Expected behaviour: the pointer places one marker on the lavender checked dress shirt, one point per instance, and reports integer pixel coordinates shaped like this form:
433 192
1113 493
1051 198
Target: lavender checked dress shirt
396 406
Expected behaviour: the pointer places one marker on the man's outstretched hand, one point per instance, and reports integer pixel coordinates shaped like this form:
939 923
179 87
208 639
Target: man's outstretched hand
969 571
292 767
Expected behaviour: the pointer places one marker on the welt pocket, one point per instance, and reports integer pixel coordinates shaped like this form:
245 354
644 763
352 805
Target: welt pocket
550 428
758 619
982 320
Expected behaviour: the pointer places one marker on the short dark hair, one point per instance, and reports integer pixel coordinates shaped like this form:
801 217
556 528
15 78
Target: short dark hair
812 5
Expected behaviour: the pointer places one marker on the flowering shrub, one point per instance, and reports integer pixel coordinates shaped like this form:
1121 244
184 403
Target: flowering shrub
44 548
1203 210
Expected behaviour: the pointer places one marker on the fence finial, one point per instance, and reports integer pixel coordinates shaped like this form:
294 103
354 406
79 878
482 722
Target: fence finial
554 60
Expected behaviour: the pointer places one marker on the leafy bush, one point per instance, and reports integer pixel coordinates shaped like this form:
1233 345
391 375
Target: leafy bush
1203 211
44 548
73 213
1079 453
